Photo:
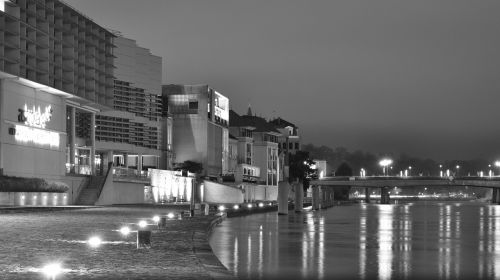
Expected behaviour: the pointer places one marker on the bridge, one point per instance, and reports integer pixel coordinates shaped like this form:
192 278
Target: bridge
322 194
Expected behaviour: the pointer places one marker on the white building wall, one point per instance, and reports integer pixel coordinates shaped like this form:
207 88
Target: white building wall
27 159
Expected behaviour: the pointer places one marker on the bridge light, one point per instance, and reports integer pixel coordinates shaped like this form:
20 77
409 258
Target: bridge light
384 163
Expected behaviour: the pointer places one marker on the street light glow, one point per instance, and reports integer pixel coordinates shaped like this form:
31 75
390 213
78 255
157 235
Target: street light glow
385 162
52 270
142 224
94 242
170 215
156 219
125 230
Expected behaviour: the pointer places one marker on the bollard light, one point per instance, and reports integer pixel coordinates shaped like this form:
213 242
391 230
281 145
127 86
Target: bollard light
222 208
94 242
156 219
236 207
51 270
261 204
142 224
125 230
171 215
249 205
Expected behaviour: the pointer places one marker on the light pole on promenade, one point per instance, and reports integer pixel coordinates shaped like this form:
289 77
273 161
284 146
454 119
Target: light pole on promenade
385 163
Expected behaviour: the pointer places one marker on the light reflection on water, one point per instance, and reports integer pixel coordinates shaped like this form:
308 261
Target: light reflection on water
420 240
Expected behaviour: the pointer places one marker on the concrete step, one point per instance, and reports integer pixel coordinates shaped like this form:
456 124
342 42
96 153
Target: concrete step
87 197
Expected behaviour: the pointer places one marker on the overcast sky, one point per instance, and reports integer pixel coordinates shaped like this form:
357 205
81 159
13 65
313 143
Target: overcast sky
421 77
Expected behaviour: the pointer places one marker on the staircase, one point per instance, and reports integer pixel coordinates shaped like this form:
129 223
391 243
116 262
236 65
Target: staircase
90 193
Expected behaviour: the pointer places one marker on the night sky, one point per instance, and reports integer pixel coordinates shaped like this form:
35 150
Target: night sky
420 77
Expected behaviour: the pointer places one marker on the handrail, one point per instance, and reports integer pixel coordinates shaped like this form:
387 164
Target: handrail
110 167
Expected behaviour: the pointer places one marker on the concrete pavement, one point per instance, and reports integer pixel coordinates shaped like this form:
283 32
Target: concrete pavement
32 238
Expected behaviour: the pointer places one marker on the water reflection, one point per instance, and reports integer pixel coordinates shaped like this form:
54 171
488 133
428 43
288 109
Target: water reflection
385 241
367 241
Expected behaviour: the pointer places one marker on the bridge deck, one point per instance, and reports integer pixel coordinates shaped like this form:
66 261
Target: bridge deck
397 181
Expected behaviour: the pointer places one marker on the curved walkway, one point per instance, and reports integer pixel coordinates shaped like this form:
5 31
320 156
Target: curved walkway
31 240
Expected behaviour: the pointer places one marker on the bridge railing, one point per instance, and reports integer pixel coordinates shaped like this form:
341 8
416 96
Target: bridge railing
423 178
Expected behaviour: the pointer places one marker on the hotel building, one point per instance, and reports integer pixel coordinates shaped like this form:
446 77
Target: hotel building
130 134
56 75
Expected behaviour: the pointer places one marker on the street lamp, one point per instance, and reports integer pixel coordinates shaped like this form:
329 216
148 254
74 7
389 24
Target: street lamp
497 163
458 166
440 171
384 163
409 170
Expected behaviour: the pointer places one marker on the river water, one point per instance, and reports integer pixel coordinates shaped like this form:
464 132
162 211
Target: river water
423 240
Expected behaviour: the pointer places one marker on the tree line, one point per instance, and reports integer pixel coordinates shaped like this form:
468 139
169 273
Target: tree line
419 166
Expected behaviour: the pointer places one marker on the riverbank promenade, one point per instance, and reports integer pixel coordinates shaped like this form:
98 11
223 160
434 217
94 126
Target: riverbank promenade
33 239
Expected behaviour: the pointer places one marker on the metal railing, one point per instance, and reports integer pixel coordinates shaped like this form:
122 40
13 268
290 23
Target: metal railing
130 174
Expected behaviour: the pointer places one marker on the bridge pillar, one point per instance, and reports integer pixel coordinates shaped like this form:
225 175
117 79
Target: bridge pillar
283 191
299 196
324 197
367 195
495 196
315 198
384 195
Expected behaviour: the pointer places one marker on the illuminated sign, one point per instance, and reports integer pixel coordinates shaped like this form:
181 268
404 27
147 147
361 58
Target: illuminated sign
34 117
35 135
34 129
221 106
2 5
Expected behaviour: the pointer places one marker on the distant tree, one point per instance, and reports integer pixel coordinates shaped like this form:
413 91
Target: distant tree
342 193
344 170
300 168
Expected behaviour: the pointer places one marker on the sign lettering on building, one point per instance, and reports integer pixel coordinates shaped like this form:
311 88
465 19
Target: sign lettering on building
33 128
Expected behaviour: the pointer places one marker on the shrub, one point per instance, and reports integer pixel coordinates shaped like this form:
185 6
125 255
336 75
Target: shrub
19 184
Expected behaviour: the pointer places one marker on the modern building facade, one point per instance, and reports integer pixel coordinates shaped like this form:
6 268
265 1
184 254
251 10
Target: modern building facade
56 73
130 135
200 123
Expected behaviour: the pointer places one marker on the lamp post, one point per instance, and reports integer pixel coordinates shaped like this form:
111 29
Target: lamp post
458 166
409 170
440 171
385 163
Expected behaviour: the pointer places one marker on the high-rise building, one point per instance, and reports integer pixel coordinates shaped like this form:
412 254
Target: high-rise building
130 134
200 124
56 73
